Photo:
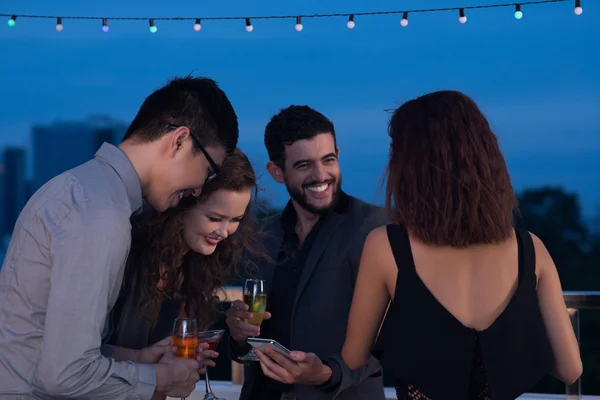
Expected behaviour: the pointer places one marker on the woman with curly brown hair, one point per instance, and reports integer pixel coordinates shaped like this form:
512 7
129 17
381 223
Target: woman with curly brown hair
179 258
476 309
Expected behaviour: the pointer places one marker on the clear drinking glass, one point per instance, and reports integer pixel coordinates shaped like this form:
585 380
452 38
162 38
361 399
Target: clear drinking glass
212 338
256 299
185 338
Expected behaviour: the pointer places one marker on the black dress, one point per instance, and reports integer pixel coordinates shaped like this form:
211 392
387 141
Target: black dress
435 357
130 329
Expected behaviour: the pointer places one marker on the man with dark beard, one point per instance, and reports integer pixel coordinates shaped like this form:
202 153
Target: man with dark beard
317 242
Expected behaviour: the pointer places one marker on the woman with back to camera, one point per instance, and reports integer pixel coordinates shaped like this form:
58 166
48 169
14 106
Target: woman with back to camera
476 309
181 257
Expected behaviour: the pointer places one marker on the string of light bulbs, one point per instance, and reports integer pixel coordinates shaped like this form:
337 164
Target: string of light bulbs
462 17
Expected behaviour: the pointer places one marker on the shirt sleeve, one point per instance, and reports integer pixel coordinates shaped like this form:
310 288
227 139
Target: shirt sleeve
342 377
237 350
88 249
335 380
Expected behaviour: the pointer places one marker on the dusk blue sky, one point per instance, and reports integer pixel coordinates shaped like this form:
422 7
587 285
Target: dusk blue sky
537 79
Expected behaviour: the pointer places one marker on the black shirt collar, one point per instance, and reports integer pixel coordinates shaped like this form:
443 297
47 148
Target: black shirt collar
289 215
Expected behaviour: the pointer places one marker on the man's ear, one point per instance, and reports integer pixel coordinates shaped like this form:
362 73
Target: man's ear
275 172
337 152
176 140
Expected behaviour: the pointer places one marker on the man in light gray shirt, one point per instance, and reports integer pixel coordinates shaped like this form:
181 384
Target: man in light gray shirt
64 266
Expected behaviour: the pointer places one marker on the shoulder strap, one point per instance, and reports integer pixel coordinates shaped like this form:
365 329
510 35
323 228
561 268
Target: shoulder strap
400 244
526 253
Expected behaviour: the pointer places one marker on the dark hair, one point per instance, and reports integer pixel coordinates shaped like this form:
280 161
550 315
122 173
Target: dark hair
162 253
197 103
290 125
447 180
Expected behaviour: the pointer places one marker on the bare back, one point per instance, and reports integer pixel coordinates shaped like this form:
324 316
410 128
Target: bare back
474 284
444 301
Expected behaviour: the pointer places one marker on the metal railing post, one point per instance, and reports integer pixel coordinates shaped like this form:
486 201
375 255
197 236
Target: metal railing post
573 391
577 301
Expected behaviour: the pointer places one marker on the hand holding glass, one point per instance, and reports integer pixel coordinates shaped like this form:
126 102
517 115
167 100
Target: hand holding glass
212 338
185 338
255 298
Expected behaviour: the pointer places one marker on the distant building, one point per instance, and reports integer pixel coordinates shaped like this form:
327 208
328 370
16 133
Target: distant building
594 223
4 240
63 145
14 186
30 190
1 196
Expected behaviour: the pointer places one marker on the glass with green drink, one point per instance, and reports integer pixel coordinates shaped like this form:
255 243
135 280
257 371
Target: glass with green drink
256 299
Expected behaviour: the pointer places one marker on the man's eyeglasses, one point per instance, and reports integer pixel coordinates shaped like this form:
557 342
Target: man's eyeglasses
213 165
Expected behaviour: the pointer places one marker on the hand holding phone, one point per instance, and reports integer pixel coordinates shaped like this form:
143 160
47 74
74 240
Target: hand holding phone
303 368
261 344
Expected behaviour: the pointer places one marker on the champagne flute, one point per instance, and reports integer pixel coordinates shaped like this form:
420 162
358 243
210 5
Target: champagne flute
212 338
256 299
185 338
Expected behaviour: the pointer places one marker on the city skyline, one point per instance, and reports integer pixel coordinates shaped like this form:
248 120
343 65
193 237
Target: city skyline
84 137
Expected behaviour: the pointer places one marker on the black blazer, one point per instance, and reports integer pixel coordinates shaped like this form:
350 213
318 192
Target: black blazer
323 299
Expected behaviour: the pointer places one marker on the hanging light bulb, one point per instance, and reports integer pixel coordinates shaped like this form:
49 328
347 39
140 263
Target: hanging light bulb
12 21
59 25
299 26
104 25
518 12
350 24
153 27
249 27
578 10
462 17
197 26
404 20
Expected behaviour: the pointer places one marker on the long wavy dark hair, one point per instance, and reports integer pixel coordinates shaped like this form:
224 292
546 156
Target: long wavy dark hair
448 183
162 255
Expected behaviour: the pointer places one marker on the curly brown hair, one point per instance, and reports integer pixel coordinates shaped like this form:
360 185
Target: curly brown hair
447 180
162 254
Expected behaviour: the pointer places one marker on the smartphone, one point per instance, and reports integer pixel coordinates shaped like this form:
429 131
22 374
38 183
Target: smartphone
261 344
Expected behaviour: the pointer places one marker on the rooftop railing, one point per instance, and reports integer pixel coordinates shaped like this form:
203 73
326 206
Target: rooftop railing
574 300
577 301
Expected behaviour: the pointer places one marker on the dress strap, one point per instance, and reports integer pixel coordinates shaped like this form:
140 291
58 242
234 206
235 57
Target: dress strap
400 244
526 253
